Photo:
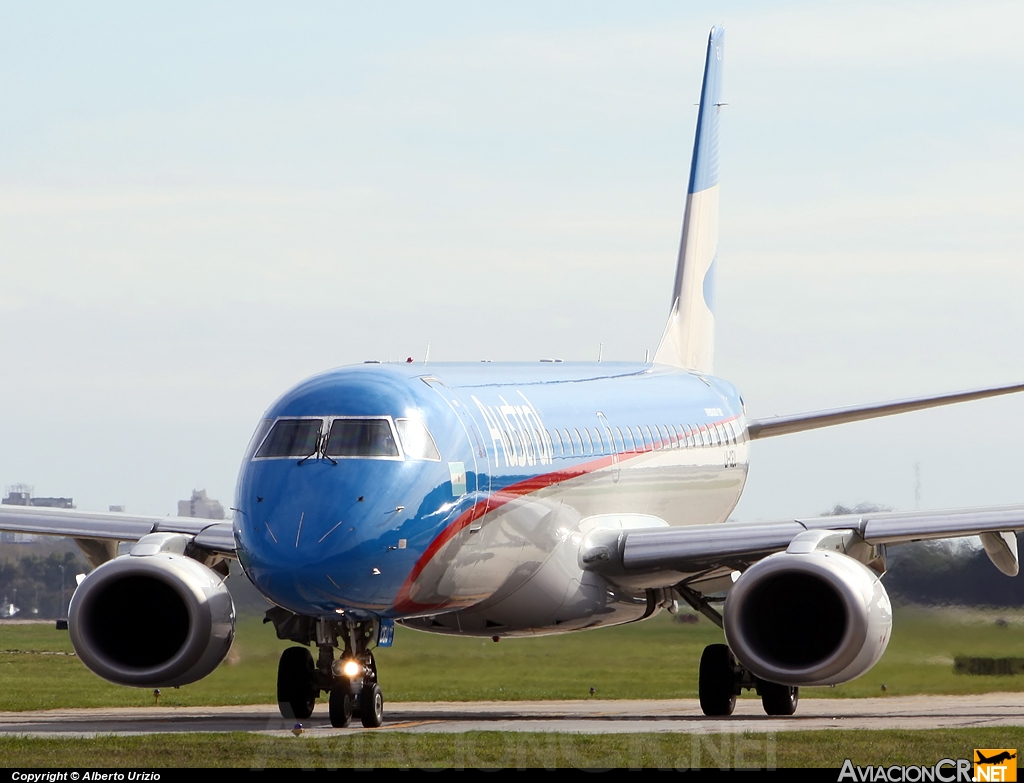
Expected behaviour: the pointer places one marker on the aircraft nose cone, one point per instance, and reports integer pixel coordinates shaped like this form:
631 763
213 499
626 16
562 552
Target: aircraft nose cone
312 545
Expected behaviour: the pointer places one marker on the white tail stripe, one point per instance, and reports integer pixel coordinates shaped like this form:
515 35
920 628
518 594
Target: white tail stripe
689 338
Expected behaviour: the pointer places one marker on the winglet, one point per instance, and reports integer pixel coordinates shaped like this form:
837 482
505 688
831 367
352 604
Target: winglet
689 338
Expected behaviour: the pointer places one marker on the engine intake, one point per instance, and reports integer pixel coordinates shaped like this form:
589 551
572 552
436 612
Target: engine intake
817 618
155 621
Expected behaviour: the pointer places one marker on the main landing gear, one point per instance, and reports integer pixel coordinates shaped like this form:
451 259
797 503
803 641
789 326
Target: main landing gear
351 680
721 680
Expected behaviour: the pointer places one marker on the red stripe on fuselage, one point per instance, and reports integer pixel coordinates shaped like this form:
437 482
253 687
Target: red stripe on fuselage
404 602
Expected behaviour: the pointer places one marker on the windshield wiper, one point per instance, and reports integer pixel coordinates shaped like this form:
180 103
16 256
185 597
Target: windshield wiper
319 451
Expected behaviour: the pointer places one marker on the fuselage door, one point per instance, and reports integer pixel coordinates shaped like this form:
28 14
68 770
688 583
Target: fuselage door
481 481
613 446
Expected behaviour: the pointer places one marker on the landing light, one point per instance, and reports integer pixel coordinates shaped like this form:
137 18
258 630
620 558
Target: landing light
350 668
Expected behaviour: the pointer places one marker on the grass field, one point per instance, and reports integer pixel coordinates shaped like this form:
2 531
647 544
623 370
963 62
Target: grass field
510 750
653 659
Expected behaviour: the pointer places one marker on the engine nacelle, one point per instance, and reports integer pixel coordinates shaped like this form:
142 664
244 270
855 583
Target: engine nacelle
818 618
154 621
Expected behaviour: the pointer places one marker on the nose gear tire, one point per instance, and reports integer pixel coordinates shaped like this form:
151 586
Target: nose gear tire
371 706
341 706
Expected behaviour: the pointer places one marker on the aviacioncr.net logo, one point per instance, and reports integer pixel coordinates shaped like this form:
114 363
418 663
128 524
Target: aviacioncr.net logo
943 771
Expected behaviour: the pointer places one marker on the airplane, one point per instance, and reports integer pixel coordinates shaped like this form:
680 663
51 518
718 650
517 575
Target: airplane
1003 756
512 499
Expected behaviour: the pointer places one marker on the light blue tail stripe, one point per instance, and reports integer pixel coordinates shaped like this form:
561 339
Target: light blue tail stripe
704 168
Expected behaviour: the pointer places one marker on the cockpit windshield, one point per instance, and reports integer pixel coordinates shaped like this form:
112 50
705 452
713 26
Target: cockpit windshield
361 438
377 437
292 438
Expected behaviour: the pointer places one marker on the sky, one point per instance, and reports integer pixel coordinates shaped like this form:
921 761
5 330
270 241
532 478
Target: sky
201 206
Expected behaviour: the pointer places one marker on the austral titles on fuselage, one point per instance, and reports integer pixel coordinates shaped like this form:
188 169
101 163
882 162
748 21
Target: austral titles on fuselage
454 496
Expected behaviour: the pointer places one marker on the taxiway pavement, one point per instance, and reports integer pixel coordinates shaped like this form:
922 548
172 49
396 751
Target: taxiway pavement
584 717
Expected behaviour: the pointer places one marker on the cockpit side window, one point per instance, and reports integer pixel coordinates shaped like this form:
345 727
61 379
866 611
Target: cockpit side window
257 437
361 438
292 438
416 440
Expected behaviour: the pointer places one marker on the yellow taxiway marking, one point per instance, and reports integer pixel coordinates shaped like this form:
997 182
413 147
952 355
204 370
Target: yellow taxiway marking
410 723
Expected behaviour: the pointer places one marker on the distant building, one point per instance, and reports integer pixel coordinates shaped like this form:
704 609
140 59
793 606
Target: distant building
21 495
200 506
18 495
53 502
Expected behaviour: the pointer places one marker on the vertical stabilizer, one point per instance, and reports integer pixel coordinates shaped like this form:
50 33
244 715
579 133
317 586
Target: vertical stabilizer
689 339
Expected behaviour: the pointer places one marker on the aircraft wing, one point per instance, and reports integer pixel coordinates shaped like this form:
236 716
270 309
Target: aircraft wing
98 533
702 548
783 425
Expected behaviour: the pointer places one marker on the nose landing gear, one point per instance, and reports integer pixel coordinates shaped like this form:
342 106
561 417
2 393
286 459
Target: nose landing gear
354 690
350 681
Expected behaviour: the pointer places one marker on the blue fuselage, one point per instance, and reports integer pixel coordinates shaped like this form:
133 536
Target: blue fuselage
525 454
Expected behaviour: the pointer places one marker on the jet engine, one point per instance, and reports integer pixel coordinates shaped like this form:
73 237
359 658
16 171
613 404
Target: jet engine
814 618
154 621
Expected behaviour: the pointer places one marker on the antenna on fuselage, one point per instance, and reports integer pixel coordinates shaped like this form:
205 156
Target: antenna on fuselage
426 355
600 351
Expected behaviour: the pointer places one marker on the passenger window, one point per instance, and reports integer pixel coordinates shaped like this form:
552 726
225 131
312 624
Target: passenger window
620 442
361 438
416 440
650 438
666 439
561 446
577 441
517 443
292 438
632 443
638 438
529 448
